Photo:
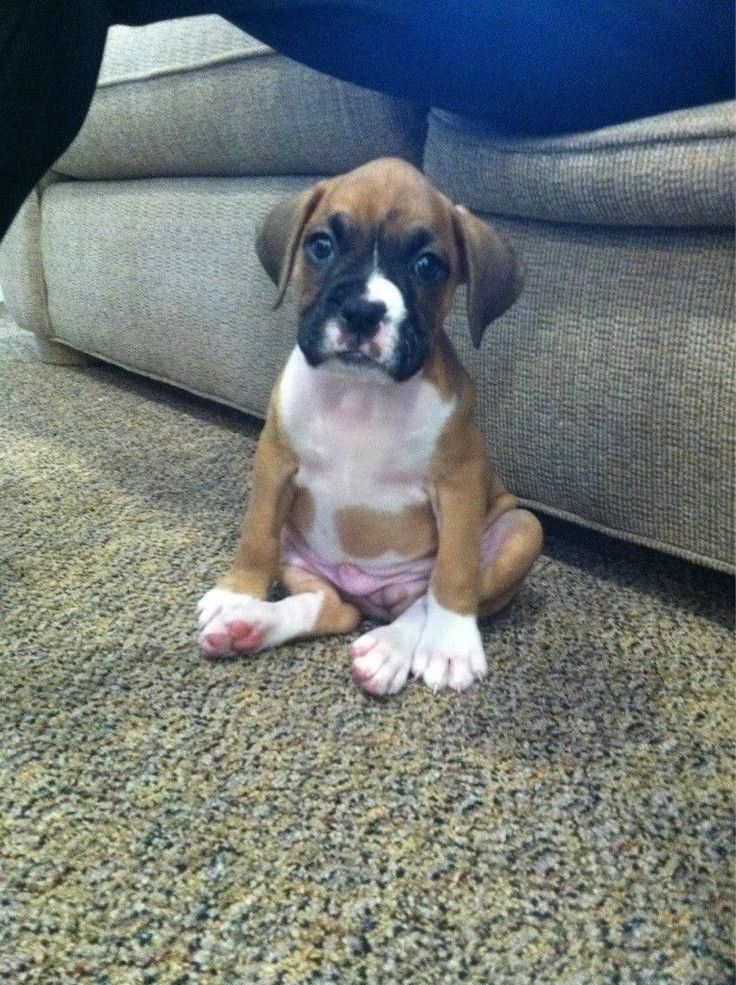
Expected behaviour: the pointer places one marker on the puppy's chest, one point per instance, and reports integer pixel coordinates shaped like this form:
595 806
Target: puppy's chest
361 444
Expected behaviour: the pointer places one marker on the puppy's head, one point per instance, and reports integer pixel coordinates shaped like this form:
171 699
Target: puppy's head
376 255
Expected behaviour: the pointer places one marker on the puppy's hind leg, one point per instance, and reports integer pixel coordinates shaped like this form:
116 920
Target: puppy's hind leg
334 616
232 624
511 545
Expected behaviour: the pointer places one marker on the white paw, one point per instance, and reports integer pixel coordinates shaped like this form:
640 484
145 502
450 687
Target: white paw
381 659
231 624
381 663
450 651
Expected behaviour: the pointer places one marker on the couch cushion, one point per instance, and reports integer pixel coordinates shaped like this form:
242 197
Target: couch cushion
21 268
671 170
607 392
197 96
172 288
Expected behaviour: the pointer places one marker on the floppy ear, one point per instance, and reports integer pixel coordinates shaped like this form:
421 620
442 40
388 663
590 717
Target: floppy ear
279 235
492 270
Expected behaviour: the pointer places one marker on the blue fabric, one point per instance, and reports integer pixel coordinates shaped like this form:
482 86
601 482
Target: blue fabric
522 66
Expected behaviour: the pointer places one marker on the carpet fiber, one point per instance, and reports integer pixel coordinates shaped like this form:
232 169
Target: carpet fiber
169 820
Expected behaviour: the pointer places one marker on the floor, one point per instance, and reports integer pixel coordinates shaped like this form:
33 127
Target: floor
166 819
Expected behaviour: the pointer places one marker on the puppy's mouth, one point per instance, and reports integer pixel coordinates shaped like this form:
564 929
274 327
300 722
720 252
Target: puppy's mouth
354 350
396 353
354 357
355 360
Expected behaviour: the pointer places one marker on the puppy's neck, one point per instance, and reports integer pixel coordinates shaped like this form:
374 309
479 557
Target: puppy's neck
308 394
343 374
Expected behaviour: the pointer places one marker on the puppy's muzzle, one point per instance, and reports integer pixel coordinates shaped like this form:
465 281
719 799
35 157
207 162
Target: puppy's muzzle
361 318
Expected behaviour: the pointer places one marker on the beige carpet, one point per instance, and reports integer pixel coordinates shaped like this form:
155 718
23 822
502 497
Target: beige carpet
169 820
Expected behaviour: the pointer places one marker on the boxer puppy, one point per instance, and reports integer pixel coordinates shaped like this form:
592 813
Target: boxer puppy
372 489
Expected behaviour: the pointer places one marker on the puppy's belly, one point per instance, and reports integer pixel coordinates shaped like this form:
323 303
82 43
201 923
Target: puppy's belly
381 587
364 449
380 560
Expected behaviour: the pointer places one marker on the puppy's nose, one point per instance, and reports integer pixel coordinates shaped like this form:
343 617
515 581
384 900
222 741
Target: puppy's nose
362 317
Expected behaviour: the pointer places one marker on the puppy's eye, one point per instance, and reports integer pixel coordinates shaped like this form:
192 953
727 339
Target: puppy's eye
429 269
320 249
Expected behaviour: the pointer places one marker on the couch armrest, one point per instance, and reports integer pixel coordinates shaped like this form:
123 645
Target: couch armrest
21 267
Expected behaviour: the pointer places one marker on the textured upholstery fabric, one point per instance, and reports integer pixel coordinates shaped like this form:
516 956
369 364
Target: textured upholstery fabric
170 47
21 268
173 289
670 170
607 391
174 101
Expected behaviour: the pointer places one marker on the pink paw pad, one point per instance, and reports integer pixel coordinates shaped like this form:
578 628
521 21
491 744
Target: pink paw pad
245 636
214 644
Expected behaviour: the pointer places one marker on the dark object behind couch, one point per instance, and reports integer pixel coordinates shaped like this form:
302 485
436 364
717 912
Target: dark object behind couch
529 66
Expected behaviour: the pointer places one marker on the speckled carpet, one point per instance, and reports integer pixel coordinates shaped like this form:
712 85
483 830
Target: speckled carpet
169 820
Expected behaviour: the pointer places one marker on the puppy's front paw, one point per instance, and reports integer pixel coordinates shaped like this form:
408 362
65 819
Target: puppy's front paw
231 624
381 661
450 651
382 658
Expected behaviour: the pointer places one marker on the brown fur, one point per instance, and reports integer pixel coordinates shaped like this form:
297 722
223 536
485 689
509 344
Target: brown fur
369 533
257 561
301 516
335 615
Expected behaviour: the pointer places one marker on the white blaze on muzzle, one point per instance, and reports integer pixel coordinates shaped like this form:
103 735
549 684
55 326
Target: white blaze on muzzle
380 288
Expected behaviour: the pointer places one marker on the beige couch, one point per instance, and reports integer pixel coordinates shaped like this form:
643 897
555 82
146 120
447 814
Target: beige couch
606 393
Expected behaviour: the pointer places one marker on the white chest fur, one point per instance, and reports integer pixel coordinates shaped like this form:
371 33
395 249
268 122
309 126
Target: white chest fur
362 440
